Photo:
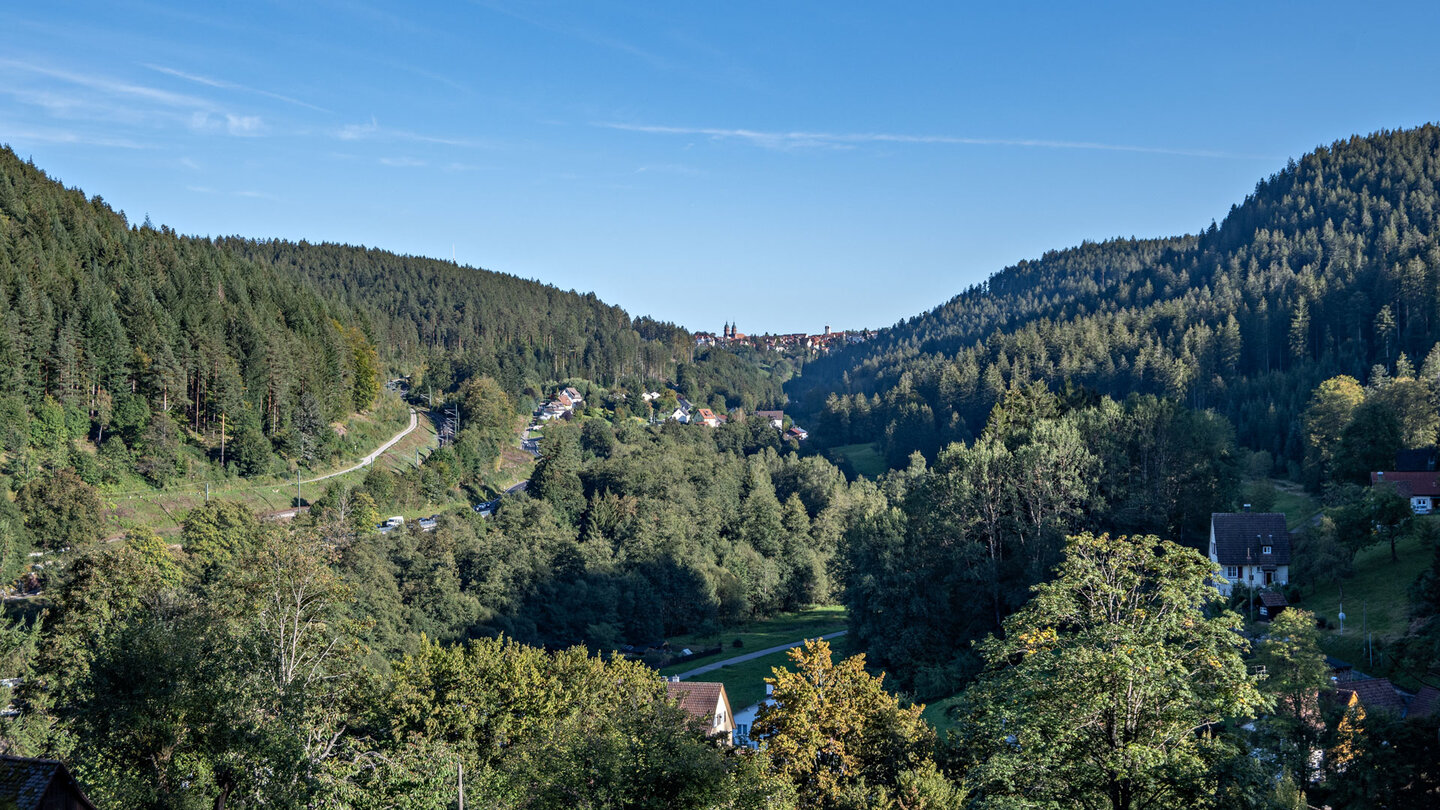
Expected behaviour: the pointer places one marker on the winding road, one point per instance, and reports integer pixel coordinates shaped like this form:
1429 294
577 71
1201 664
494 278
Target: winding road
370 459
752 656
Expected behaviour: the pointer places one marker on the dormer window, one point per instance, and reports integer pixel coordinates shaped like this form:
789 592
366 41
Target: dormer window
1267 550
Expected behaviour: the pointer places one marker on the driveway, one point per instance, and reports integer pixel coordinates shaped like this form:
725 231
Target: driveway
739 659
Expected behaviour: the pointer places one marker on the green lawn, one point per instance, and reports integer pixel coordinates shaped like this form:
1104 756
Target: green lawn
935 715
863 459
783 628
745 682
1376 597
1298 506
133 504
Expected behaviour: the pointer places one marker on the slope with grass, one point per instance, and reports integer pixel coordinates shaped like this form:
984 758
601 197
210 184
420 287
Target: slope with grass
1375 600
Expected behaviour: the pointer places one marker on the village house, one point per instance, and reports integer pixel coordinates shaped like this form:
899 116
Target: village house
1251 548
775 418
39 784
705 701
800 434
1421 489
709 417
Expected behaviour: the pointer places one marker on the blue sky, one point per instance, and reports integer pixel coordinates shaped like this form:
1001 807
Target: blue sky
784 165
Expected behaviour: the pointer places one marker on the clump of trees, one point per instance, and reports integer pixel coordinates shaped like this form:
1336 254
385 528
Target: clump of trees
937 556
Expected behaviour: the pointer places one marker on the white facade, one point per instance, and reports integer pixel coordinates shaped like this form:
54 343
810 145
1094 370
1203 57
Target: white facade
1251 575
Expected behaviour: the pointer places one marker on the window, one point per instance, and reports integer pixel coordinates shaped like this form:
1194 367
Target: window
1232 572
1267 550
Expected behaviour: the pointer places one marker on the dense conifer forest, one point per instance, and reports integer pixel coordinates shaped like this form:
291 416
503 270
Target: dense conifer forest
1330 267
1057 439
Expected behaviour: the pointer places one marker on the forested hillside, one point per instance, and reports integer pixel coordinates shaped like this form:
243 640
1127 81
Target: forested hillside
121 347
508 328
133 336
1331 266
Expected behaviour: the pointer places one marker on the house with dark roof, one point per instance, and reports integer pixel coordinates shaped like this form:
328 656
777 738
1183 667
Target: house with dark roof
1251 548
1271 604
1421 489
705 701
775 418
39 784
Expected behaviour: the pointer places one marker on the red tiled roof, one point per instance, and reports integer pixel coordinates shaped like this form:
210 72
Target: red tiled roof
1273 599
1426 701
697 698
1416 483
1378 694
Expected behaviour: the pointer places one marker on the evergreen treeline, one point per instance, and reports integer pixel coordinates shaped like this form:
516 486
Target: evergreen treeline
138 338
147 343
426 311
1330 267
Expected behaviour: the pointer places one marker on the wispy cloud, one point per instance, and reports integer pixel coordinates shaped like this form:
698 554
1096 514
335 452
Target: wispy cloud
840 140
54 136
403 162
254 195
238 125
374 132
118 101
112 87
228 85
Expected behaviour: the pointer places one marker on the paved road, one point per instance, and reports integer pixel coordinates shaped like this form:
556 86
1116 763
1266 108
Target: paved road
520 487
752 656
370 459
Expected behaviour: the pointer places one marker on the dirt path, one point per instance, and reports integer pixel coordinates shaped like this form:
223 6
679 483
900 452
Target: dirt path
752 656
370 459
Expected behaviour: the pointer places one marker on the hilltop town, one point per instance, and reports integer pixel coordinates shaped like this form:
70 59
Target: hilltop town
821 343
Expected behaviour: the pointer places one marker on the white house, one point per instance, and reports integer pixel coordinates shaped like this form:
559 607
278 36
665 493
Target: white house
775 418
1251 548
706 701
1422 489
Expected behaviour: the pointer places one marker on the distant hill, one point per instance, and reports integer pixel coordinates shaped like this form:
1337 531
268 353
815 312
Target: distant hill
112 330
513 329
1331 266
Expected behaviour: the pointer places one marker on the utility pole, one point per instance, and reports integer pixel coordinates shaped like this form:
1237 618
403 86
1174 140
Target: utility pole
297 489
222 440
1342 610
207 492
460 785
